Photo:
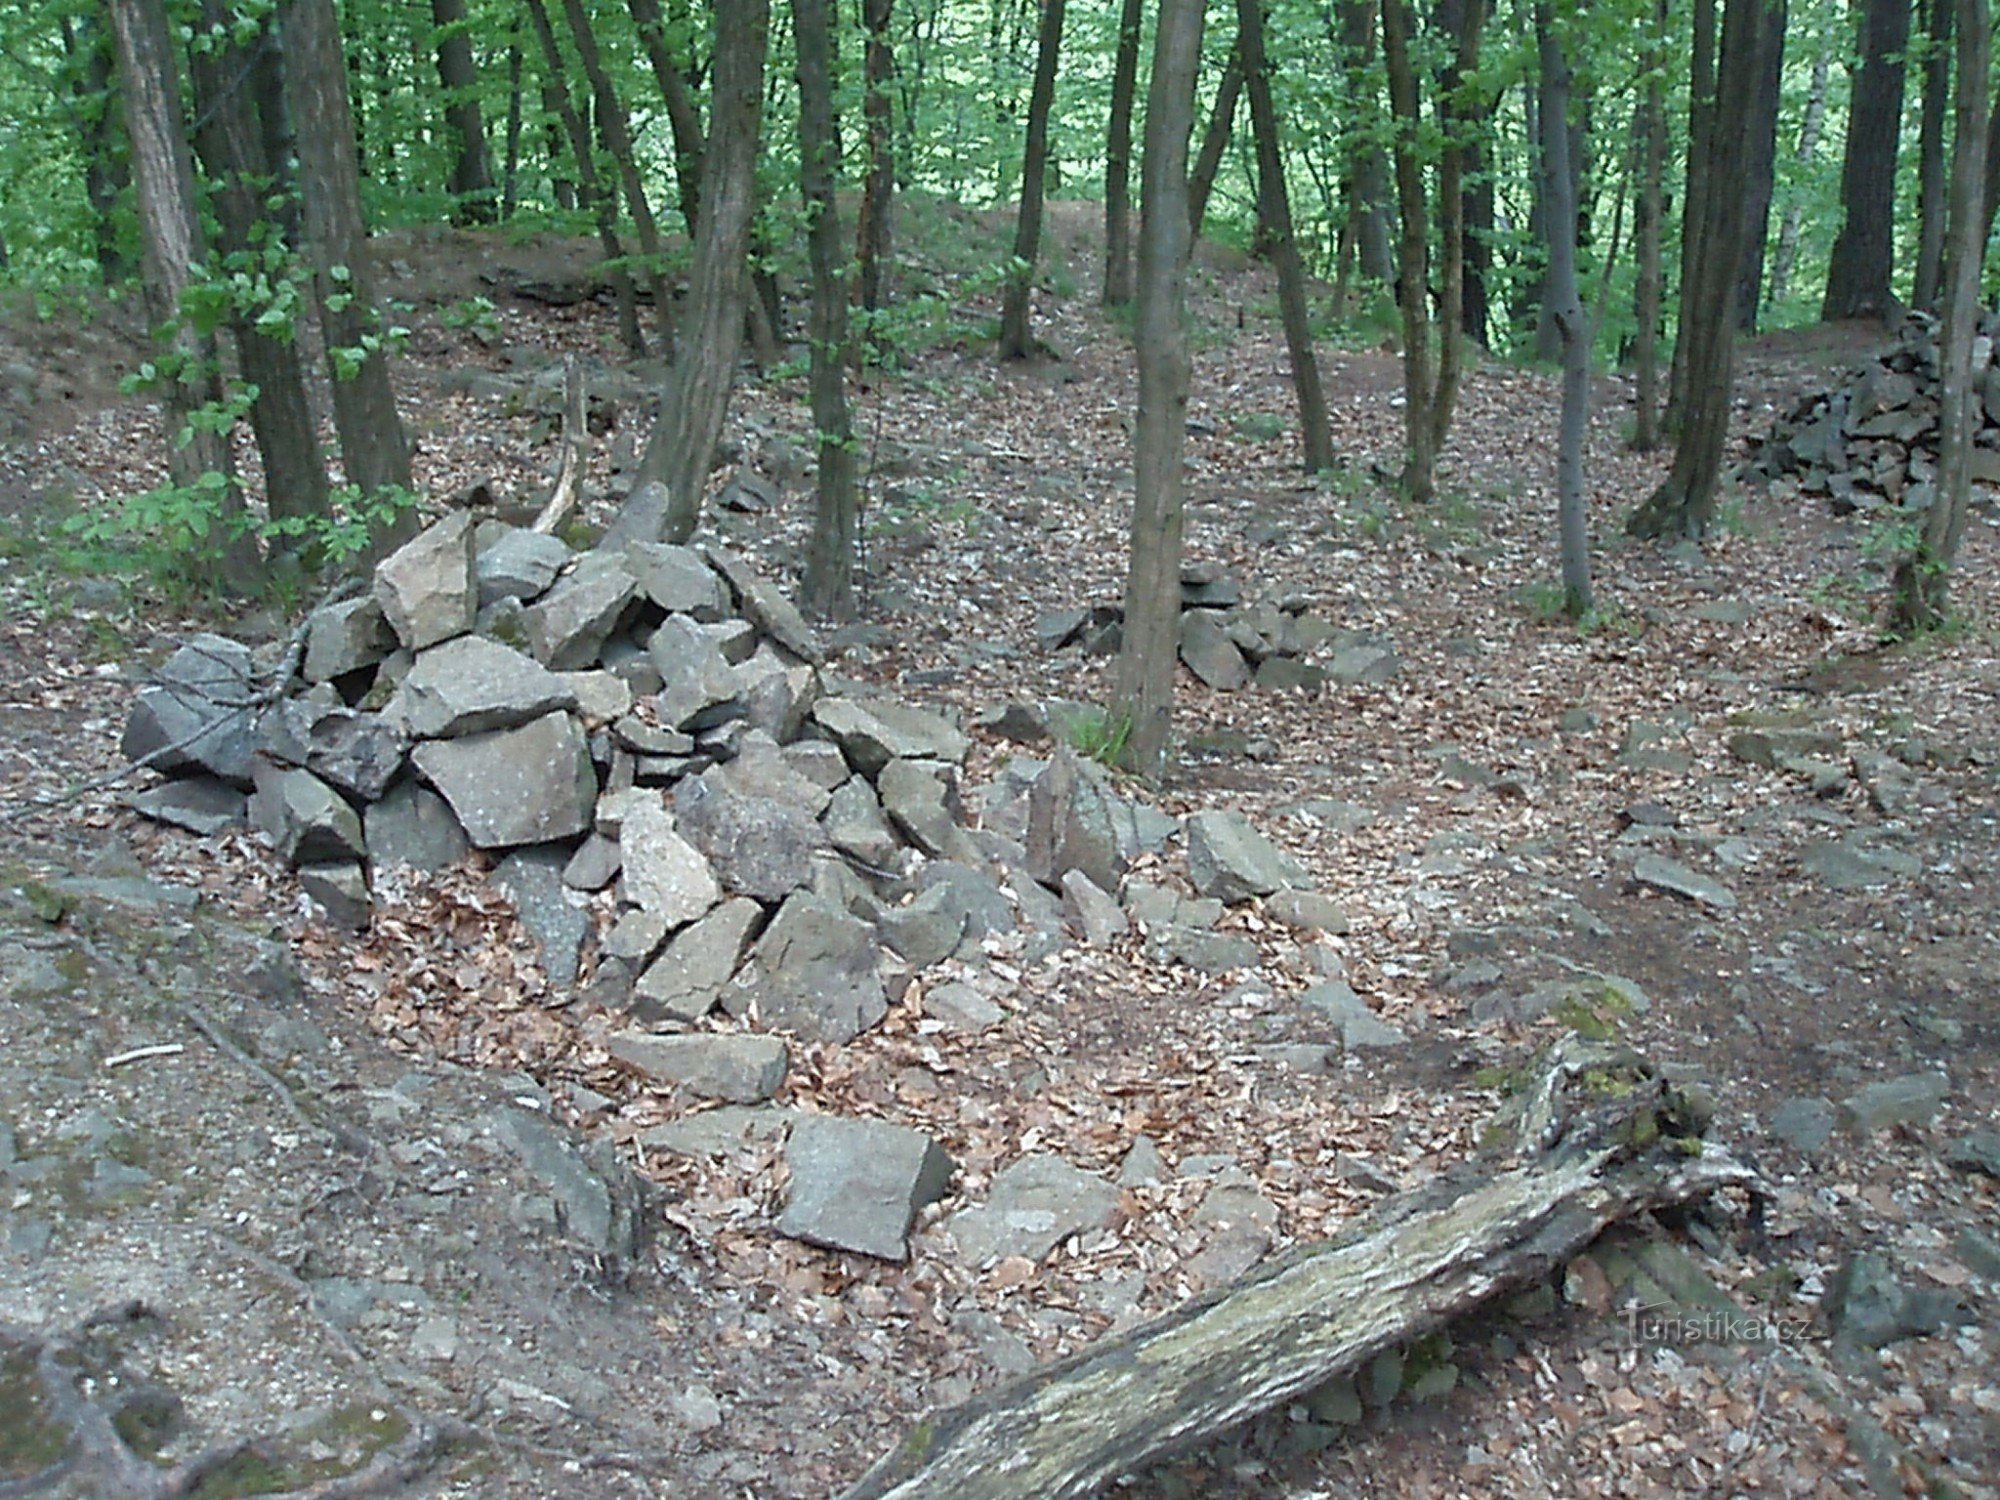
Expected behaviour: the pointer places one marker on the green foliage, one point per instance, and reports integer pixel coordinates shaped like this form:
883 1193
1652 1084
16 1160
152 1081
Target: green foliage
1100 735
472 315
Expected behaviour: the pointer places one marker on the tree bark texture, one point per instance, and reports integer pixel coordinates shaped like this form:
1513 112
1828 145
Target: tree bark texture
1457 121
665 501
1646 236
472 166
1016 335
1694 197
89 51
1071 1428
1566 313
170 239
1413 271
1808 152
682 117
1150 655
1863 261
1931 171
1215 140
1684 503
874 248
510 169
1923 577
828 590
1315 431
1368 174
1118 159
1760 172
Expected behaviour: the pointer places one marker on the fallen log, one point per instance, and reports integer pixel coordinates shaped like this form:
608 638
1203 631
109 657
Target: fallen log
1594 1137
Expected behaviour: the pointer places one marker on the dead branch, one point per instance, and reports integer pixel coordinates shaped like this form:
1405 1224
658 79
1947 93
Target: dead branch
575 450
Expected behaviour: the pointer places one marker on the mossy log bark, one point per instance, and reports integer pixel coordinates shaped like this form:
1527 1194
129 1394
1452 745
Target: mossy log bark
1595 1138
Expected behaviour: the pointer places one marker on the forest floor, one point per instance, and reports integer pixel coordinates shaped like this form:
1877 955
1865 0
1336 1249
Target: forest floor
312 1220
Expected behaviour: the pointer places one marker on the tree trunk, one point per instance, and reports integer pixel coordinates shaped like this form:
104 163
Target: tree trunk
1566 312
1276 204
595 198
510 172
170 236
673 471
89 52
1590 1159
1924 576
1368 189
1858 275
1648 275
1760 172
231 145
616 134
1694 200
873 253
472 169
1413 260
1151 651
1808 152
1685 501
1931 190
1118 160
682 117
828 589
1466 22
1215 140
1016 336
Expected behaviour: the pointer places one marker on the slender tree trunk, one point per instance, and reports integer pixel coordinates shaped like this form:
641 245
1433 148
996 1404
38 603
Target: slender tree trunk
554 104
1413 260
170 234
1467 22
617 137
1761 170
1276 205
1118 160
873 250
373 448
594 194
1931 172
828 589
1859 273
1566 308
1151 650
1368 174
673 471
472 169
105 174
1694 199
682 117
1215 140
510 175
1808 152
1923 578
1016 336
1646 236
1684 503
231 146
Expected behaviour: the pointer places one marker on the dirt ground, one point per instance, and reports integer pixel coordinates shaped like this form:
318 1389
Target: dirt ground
288 1212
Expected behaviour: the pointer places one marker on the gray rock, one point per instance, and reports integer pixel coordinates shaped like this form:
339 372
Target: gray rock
1231 861
344 637
531 785
1855 866
594 865
1913 1099
643 737
962 1008
1072 825
601 696
719 1132
1363 665
1097 916
308 821
921 799
858 1184
1307 911
518 564
1163 906
199 713
814 972
361 753
695 680
341 889
1976 1152
427 588
1980 1252
761 769
684 983
598 1201
736 1069
663 871
1804 1124
533 881
1207 952
737 640
203 805
1022 722
677 580
1677 879
1209 653
572 622
776 696
635 937
469 685
766 608
757 846
1359 1026
1771 746
855 824
874 733
817 761
927 929
1281 674
412 825
1868 1308
1033 1206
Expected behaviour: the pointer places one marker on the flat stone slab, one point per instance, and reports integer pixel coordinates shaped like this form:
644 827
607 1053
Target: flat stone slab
1230 860
469 684
202 805
756 846
198 714
721 1131
531 785
1856 867
873 733
572 622
737 1069
1359 1026
684 983
428 588
1033 1206
308 821
518 564
344 637
533 881
1676 879
858 1184
412 825
663 871
814 971
1913 1099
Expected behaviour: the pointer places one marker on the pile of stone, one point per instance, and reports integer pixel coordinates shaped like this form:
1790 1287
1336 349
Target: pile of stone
1230 644
1871 442
685 804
